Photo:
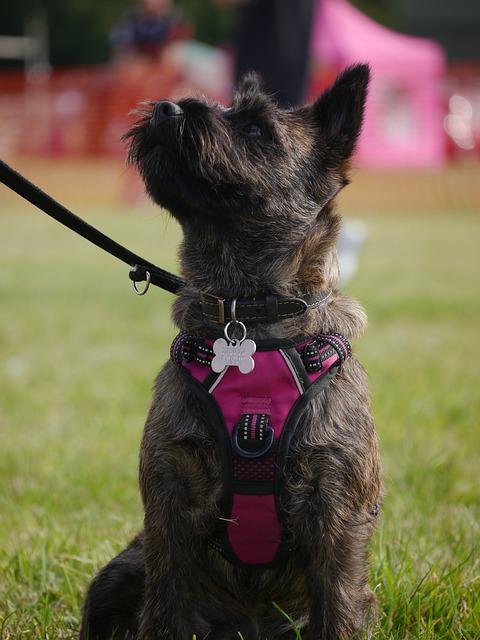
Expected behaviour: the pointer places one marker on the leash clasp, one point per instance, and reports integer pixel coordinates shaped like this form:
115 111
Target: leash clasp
139 274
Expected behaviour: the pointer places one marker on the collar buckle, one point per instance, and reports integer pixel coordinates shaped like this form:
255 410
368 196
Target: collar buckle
220 303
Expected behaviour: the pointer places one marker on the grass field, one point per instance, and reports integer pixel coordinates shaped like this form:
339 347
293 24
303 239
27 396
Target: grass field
78 354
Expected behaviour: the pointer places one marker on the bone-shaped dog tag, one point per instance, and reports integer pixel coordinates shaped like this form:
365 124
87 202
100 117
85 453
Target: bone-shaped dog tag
233 353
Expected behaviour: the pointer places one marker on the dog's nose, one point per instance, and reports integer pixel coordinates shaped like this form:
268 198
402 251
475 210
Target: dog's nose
166 109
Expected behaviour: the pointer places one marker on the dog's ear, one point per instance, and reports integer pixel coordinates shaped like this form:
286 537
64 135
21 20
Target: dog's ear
250 83
339 111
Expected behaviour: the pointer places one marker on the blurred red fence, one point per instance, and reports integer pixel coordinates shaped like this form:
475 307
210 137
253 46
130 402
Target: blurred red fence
75 111
78 112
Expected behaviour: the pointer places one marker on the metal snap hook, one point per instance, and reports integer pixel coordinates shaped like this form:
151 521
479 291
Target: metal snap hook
142 292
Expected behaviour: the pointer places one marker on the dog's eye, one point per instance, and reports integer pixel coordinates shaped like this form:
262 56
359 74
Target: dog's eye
254 131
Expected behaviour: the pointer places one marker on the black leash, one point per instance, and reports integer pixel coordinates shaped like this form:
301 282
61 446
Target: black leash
264 308
142 270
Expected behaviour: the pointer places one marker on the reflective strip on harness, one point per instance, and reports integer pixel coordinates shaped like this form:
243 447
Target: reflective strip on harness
255 410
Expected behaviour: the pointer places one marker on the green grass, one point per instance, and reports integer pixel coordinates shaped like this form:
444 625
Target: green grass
78 354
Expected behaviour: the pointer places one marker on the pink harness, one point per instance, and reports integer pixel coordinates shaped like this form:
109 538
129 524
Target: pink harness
255 416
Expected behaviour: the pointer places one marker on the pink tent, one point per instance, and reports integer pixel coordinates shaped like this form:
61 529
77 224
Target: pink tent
405 110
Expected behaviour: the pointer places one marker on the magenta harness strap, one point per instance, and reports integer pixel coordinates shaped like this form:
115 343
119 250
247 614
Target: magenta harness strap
255 416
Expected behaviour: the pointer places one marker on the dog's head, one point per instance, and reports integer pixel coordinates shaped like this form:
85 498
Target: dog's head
252 171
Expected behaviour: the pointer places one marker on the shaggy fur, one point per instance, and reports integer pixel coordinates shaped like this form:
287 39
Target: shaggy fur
252 187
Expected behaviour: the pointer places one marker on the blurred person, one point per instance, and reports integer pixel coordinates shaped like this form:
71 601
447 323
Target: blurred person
273 38
147 28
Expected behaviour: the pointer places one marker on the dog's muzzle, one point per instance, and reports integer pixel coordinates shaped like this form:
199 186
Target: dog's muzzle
165 110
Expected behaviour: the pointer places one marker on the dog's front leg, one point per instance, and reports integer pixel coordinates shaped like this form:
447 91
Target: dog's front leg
168 603
165 614
180 502
341 601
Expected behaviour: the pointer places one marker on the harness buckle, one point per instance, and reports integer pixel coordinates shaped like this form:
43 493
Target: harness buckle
252 438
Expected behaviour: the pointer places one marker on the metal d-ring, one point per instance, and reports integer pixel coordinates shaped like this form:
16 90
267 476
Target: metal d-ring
233 310
143 291
235 323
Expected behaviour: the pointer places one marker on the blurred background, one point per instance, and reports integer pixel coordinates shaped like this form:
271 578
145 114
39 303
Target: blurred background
71 73
79 352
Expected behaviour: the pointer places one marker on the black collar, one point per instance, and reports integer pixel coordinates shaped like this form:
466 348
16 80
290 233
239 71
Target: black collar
268 308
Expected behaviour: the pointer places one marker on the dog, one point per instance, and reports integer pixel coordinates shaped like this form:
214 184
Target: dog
253 188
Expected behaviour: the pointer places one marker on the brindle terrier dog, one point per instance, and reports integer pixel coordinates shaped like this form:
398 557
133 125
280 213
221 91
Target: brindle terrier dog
253 189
